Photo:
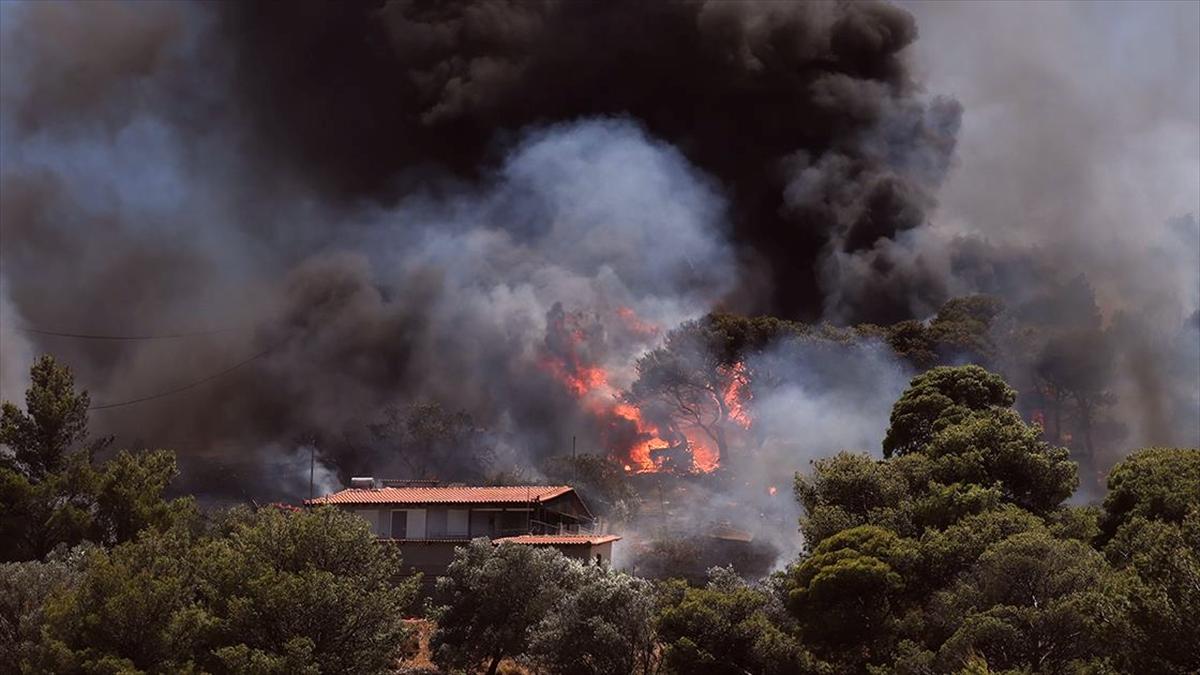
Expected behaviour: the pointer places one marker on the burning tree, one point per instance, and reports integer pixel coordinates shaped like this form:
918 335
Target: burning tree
685 396
695 389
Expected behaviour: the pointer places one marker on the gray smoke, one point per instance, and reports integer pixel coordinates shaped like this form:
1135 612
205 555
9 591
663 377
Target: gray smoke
443 296
1079 159
369 207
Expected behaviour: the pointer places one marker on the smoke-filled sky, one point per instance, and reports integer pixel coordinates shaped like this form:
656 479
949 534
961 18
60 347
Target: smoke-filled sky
1083 136
380 203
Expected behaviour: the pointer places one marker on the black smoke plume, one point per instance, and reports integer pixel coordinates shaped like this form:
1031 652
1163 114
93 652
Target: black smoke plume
357 208
805 112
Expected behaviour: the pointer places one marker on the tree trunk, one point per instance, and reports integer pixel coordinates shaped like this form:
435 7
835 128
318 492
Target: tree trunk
722 448
495 664
1057 419
1086 412
717 433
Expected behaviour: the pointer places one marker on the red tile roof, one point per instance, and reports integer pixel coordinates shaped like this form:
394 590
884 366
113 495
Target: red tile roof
508 494
558 539
461 541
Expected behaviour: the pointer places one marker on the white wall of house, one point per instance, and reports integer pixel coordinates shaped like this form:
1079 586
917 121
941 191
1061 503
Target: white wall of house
415 524
604 551
440 522
372 517
380 521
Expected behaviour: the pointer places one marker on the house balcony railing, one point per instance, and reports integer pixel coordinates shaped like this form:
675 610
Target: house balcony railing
539 527
535 527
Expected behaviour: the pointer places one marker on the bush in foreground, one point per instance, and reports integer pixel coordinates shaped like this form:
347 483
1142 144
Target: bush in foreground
266 591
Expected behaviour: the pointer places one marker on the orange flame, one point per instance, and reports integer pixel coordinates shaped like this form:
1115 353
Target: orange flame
705 456
735 395
592 385
588 379
639 454
634 324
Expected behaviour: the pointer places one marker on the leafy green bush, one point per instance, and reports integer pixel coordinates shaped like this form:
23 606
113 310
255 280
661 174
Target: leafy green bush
268 591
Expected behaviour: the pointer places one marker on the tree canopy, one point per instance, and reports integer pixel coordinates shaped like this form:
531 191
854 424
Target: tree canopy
602 625
938 398
1153 484
682 385
956 552
53 489
265 591
728 627
37 440
491 596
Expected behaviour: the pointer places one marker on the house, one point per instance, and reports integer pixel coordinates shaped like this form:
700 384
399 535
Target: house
428 519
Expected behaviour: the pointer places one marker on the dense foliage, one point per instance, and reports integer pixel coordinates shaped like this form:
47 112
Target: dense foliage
1151 527
53 491
24 589
955 553
244 591
728 626
603 624
509 600
491 597
958 552
267 591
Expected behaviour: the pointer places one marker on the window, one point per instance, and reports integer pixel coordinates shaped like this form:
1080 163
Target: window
399 524
483 522
415 525
456 522
513 522
435 523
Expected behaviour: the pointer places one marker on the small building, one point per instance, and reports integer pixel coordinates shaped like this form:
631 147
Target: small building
428 520
595 548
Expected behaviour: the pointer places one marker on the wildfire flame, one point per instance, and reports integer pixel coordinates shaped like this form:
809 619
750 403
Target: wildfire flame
566 359
705 456
639 453
581 380
734 395
634 324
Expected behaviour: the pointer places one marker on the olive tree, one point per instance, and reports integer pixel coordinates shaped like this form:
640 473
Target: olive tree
491 596
604 625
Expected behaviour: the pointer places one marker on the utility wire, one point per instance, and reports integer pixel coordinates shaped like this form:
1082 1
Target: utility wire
190 385
88 336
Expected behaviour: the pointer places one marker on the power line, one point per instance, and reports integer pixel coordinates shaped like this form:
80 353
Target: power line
185 387
90 336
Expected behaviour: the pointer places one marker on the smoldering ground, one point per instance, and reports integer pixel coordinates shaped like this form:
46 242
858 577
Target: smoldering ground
370 204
